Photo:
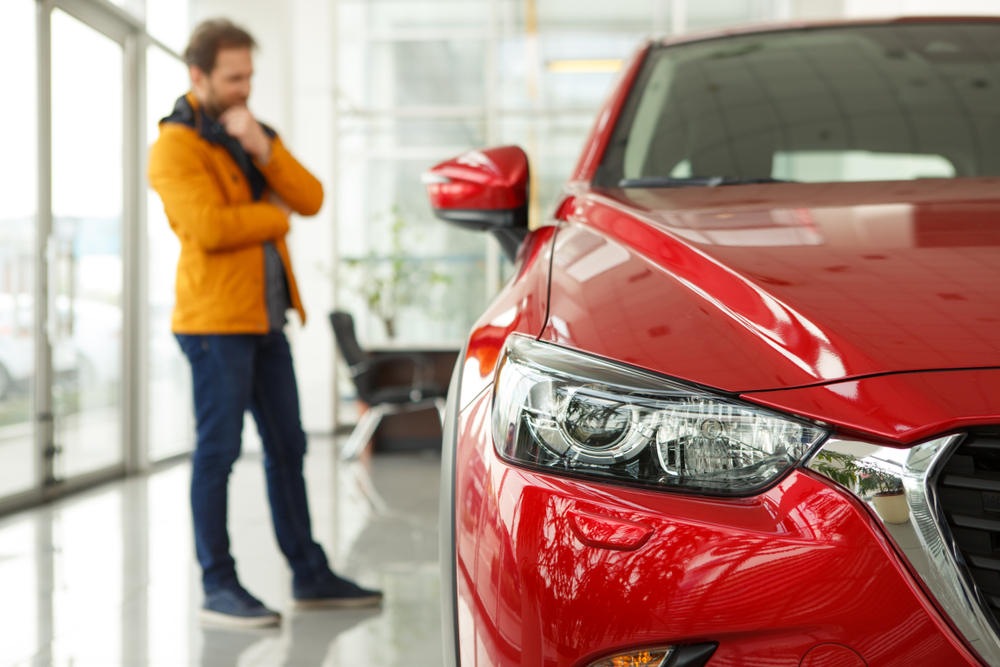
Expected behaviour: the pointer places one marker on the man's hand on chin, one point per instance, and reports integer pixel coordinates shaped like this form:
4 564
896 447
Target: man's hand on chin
242 126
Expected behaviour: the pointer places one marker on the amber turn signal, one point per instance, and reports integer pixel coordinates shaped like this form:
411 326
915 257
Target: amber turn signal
650 657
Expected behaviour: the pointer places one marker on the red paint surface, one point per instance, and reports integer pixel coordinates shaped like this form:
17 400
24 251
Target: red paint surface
832 655
520 307
767 577
491 179
753 288
603 532
897 408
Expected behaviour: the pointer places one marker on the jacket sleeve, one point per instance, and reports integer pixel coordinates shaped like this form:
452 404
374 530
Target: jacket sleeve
194 201
300 189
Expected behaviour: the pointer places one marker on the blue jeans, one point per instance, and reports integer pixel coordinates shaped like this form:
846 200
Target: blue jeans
232 373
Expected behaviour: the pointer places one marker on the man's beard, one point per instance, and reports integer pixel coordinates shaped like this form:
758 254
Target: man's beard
215 106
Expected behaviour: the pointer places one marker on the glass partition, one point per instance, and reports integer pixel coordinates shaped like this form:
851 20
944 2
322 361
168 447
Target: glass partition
169 21
85 248
418 97
18 207
171 422
421 81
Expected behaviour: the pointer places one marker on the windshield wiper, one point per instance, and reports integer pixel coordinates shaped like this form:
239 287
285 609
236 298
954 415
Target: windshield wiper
692 182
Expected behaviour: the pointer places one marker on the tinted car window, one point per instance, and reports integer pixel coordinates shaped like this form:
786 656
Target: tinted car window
884 102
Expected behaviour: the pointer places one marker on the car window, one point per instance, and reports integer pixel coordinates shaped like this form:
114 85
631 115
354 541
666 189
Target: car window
858 103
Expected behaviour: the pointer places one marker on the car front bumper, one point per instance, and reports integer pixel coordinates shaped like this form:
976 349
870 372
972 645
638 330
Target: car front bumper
772 578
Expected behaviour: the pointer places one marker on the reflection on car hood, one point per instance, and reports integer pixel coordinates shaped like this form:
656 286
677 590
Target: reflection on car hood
815 283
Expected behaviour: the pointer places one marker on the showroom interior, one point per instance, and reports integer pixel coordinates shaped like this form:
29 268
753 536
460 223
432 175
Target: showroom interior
97 562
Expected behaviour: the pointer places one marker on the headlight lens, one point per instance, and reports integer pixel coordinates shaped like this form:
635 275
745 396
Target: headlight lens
565 411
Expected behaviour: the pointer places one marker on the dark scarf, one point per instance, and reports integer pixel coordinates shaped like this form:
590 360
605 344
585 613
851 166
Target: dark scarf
213 132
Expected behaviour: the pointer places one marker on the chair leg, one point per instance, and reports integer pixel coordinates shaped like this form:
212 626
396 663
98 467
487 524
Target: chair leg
362 433
440 404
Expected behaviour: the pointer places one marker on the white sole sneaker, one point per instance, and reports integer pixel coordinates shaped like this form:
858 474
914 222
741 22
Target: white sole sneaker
219 620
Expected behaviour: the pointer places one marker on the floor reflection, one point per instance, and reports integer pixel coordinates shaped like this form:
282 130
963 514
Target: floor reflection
108 577
225 648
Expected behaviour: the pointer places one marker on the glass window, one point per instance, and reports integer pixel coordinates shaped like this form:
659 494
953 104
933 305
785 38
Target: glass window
831 166
428 73
558 15
171 423
406 14
391 136
18 173
134 7
413 90
570 71
85 250
401 267
703 15
553 145
169 22
844 104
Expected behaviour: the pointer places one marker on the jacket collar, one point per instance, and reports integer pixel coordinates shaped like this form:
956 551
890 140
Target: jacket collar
187 111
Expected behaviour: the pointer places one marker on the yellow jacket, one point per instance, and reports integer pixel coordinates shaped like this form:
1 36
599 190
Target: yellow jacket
210 206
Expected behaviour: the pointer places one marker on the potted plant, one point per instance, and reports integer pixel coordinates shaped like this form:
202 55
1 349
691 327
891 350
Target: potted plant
867 478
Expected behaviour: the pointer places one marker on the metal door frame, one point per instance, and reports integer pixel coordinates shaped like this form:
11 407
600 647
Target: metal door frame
128 31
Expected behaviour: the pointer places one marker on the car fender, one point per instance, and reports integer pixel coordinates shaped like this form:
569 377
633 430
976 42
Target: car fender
522 307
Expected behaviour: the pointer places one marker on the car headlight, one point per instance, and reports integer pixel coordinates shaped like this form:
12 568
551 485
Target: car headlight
565 411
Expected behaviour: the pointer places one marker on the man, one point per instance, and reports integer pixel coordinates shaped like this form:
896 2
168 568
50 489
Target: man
228 186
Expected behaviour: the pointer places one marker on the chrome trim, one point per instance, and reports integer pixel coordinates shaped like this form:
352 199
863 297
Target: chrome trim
925 539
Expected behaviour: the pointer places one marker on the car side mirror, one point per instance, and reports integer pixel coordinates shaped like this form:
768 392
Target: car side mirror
484 190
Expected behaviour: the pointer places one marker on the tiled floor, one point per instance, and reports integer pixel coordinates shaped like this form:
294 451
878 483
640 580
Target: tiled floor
108 577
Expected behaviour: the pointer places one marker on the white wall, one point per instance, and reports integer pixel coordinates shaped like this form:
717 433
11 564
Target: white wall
293 92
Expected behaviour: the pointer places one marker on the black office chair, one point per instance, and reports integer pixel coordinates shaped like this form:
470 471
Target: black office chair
420 394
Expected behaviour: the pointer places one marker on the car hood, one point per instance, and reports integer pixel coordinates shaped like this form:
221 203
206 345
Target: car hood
789 285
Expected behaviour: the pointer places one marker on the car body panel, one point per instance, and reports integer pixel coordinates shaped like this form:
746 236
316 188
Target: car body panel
533 593
522 307
778 287
903 408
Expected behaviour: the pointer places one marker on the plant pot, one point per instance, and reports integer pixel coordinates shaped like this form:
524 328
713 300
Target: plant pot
892 507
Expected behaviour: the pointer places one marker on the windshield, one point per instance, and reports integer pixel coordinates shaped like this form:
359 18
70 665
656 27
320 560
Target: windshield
860 103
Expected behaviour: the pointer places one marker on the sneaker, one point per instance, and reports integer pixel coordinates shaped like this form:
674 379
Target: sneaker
334 592
233 607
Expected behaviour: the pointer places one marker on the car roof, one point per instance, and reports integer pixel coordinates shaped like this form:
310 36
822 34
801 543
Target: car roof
792 26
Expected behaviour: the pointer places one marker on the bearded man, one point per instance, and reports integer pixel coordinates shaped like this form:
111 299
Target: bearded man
228 186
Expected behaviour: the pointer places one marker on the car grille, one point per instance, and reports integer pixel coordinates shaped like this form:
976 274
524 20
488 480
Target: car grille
968 489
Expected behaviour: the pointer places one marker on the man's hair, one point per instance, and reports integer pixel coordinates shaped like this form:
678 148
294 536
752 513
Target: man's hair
212 36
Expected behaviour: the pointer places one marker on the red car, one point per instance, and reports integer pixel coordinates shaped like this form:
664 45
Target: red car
740 403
